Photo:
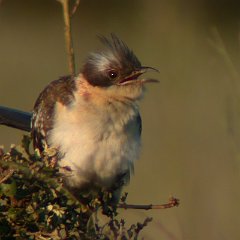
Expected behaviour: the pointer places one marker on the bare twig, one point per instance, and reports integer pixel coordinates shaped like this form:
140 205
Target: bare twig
173 202
1 150
7 176
217 42
75 7
40 235
68 36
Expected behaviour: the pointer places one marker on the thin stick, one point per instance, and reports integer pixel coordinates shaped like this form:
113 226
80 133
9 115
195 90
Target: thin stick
218 44
7 176
75 7
68 36
173 202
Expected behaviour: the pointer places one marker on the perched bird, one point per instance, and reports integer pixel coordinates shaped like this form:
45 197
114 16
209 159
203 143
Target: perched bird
93 119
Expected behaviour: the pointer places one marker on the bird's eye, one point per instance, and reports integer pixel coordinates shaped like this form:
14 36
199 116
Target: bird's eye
112 74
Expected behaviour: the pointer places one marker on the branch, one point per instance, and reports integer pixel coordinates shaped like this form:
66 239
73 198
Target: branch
68 36
217 42
15 118
22 120
173 202
75 7
7 176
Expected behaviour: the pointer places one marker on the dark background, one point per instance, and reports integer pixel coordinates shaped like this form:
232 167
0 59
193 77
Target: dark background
191 120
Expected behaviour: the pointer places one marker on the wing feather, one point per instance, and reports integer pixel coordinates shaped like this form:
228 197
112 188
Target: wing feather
60 90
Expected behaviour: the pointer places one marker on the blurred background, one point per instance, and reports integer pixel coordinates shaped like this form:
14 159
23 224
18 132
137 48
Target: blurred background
191 120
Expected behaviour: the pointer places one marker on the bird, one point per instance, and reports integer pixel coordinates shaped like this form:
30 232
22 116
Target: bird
93 120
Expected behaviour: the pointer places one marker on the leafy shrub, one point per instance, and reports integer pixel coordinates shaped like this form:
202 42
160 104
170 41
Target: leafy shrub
35 205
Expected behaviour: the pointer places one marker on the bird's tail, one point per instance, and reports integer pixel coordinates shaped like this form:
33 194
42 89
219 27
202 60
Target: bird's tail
15 118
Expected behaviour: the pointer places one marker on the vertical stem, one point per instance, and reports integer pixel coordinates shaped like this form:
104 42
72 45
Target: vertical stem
75 7
68 36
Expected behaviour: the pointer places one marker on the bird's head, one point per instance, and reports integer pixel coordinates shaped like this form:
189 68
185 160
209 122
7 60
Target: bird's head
116 67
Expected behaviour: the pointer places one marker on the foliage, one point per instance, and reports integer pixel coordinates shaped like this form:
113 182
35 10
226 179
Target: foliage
35 205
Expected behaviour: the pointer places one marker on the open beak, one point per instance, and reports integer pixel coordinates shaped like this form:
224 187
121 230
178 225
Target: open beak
133 78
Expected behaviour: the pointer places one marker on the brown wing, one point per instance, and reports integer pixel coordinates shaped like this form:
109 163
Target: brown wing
60 90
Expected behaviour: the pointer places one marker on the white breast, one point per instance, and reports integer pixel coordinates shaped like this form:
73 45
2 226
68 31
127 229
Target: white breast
97 142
